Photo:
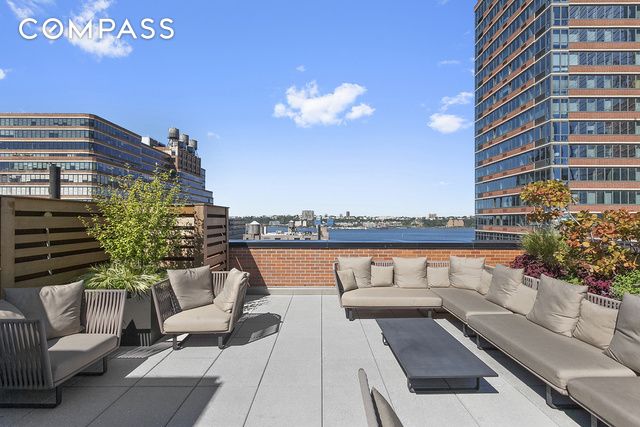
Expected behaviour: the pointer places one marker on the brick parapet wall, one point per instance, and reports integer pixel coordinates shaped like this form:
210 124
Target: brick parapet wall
312 267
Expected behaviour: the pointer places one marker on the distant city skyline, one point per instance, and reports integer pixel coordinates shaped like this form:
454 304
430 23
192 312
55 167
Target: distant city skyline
347 104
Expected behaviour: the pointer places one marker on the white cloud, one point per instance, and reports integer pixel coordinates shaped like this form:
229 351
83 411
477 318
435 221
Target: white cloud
107 46
3 74
463 98
27 8
447 123
212 135
449 62
301 68
307 107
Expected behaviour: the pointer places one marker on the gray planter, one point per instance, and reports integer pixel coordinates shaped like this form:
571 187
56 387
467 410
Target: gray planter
140 322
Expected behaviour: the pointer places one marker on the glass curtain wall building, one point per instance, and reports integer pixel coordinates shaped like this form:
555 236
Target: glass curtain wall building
90 151
557 97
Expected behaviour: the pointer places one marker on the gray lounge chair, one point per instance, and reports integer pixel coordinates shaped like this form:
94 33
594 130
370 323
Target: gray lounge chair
28 362
377 410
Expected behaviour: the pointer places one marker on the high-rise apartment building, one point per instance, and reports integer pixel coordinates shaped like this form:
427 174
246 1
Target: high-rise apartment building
557 97
90 151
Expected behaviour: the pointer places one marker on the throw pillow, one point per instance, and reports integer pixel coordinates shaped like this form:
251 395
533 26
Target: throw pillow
438 277
522 300
347 280
361 267
193 287
410 272
504 284
58 307
485 282
235 282
596 324
557 305
381 277
625 346
465 273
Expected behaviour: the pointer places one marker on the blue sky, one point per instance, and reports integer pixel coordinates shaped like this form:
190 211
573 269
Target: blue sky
353 105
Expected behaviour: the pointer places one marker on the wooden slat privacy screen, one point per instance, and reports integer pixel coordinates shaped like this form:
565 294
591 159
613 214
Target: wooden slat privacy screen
43 241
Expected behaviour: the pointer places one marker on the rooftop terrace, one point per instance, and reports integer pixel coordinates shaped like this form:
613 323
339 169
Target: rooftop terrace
292 362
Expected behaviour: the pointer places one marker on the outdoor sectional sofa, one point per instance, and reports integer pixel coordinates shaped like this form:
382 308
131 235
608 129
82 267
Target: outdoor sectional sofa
574 369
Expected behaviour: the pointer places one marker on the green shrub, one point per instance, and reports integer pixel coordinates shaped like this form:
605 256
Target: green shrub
628 283
544 244
120 276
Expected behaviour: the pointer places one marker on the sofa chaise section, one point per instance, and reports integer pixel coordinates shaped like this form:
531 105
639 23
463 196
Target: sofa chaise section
615 401
391 298
463 303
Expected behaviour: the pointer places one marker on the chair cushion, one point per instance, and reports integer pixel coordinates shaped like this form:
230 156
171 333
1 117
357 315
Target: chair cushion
386 414
522 300
463 303
58 307
391 297
553 357
367 399
596 324
625 345
557 305
410 272
465 273
9 311
193 287
504 284
361 267
616 401
208 318
438 277
73 353
233 286
485 282
381 276
347 279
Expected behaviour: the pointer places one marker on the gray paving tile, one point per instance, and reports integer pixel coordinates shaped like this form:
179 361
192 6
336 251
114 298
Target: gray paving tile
303 408
224 406
120 372
11 416
172 372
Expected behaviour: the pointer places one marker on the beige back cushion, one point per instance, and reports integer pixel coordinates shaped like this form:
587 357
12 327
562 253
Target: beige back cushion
557 305
485 282
438 277
504 284
58 307
596 324
235 282
465 273
347 280
386 414
381 277
193 287
522 300
410 272
9 311
361 267
625 345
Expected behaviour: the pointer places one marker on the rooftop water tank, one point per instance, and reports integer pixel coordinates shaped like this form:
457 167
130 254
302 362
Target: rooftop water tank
174 133
193 143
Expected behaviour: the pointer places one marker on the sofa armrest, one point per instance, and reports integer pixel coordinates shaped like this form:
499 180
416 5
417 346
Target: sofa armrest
338 283
238 305
24 355
218 281
165 301
103 311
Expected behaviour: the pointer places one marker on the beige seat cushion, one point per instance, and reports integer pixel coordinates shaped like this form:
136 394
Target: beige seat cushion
9 311
522 300
391 297
234 285
625 345
347 280
438 277
386 414
596 324
73 353
616 401
553 357
410 272
208 318
485 282
193 287
381 276
361 267
463 303
57 306
557 305
465 273
504 284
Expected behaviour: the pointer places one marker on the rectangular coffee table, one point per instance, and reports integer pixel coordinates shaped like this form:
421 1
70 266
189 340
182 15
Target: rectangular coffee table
431 358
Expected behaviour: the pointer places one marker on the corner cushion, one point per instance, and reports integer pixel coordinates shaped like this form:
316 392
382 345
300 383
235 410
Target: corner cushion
463 303
614 400
391 297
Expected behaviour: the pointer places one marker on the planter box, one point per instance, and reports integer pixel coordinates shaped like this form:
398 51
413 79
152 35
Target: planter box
140 322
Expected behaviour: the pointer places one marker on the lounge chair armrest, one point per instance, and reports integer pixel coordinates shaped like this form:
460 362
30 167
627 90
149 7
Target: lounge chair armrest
24 355
103 311
165 301
238 305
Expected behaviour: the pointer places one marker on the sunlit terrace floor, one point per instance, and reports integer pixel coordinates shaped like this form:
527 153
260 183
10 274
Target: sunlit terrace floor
302 373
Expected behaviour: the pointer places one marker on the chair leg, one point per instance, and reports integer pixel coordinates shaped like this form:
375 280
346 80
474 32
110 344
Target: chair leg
222 340
349 312
560 405
176 345
483 344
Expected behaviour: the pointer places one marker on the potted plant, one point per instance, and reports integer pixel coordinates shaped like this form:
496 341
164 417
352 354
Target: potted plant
136 225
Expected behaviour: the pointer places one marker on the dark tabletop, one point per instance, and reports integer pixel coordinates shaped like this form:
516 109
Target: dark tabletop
425 350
